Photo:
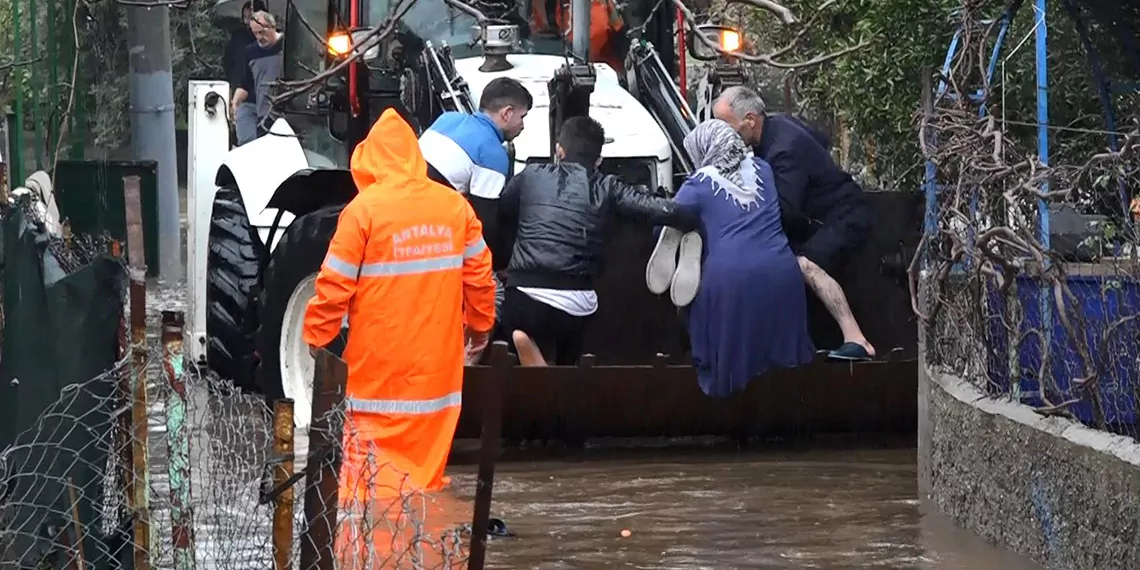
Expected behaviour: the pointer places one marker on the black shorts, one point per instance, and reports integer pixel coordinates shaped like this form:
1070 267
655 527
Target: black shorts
557 333
837 239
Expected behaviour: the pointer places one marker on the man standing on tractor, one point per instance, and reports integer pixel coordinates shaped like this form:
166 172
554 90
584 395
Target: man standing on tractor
561 212
608 42
824 212
409 267
466 152
263 63
233 59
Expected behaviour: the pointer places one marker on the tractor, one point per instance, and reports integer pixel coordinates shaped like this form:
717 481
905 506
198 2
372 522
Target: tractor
262 214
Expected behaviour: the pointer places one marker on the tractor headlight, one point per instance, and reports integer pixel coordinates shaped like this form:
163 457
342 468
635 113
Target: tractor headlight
344 44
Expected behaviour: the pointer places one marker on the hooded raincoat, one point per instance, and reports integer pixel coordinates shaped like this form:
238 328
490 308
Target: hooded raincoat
409 267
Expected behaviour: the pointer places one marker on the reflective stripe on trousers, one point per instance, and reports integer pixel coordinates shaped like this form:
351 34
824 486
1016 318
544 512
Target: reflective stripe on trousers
409 407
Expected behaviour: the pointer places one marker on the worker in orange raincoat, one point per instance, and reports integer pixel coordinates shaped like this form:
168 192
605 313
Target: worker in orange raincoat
409 267
608 43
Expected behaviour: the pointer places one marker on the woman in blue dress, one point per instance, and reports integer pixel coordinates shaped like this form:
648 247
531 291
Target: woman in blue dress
749 311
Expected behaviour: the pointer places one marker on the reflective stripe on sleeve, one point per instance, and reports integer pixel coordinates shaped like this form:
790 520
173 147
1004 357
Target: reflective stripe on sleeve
410 407
342 267
474 249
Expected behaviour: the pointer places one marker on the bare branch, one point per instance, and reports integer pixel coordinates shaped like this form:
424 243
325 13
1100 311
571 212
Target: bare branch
770 59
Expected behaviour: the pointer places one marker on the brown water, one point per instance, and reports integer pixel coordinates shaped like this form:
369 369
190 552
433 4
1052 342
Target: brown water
850 509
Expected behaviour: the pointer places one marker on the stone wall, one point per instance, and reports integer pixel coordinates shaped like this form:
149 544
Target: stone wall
1051 489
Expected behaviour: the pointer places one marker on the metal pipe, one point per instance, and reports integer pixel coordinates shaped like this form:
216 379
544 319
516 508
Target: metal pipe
139 484
34 84
323 467
283 504
177 441
580 28
492 427
682 57
16 130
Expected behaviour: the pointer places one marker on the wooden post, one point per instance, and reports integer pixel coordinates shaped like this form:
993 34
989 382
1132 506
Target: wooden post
322 470
139 480
492 395
177 441
283 505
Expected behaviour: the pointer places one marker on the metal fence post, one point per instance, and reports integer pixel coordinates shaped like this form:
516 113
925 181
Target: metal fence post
138 483
177 442
283 505
322 470
492 403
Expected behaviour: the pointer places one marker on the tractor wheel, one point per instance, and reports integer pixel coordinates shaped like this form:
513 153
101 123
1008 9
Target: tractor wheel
286 369
232 265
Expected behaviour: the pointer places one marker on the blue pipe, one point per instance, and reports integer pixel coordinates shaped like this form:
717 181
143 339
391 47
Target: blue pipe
1042 114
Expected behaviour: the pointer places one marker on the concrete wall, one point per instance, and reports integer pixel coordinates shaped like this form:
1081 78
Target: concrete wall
1049 488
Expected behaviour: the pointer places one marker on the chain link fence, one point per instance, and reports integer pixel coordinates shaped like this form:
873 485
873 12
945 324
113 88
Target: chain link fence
116 453
1026 283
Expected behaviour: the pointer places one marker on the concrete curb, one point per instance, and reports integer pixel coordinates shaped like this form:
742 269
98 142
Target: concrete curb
1123 448
1062 494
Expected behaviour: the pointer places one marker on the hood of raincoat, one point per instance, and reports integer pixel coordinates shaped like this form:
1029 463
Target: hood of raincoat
389 157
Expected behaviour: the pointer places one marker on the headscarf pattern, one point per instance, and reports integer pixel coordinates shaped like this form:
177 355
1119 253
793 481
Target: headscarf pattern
720 155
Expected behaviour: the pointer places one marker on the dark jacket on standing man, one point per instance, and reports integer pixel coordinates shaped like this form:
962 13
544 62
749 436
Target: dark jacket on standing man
561 212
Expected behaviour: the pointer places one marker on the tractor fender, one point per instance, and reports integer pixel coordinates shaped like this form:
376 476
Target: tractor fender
311 189
259 167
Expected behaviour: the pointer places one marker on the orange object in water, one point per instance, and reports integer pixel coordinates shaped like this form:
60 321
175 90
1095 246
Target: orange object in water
409 267
604 18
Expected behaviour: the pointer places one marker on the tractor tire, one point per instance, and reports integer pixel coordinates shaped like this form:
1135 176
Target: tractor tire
232 266
286 369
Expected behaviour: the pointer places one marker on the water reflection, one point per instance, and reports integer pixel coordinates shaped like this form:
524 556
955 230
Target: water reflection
806 510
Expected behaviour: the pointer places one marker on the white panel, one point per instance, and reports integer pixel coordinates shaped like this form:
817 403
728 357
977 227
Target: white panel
208 142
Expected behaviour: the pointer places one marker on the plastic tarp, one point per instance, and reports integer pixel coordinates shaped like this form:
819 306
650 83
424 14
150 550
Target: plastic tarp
56 402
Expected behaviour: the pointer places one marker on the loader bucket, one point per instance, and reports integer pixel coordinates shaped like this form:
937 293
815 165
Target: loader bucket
626 390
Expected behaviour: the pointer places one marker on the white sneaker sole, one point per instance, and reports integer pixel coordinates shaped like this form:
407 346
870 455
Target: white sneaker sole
663 261
687 278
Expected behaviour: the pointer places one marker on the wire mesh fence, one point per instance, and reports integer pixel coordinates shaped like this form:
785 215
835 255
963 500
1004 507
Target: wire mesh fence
1027 279
209 482
116 453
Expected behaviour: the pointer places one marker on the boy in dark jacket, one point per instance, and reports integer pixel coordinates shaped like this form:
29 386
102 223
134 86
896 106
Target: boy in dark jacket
560 211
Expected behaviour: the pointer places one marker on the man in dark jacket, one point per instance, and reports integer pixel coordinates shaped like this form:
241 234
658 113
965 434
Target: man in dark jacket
234 58
560 211
824 212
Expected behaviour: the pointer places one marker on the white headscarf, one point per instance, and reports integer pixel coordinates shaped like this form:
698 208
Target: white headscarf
719 153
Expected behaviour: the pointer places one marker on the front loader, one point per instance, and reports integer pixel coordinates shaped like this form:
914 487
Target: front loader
262 215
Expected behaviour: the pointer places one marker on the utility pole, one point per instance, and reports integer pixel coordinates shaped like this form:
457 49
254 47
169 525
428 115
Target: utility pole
152 122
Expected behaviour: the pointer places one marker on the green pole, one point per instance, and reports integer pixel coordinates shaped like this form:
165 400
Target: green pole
53 79
17 174
37 126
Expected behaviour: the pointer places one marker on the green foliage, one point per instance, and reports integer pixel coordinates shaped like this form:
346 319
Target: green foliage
100 109
876 92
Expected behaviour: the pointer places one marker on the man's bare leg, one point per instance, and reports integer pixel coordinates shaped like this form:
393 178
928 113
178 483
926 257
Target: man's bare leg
529 354
829 291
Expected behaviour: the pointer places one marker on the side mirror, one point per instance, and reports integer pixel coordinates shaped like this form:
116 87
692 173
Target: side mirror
729 39
337 112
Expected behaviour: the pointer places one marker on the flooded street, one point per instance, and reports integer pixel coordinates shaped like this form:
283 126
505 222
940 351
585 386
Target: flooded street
740 510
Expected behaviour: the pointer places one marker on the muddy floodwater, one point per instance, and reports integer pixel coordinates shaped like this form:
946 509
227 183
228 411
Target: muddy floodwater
690 510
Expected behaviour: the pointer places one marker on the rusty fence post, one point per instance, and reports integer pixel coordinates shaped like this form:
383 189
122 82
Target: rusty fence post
323 467
492 395
283 504
177 441
139 481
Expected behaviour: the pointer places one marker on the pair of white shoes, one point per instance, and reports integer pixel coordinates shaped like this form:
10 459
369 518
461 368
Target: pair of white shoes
675 265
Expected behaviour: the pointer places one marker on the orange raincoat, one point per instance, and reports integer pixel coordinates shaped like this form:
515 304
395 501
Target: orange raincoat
409 267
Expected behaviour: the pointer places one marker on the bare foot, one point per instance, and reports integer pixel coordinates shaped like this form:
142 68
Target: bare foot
529 354
863 343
